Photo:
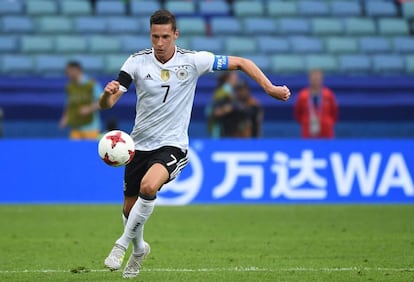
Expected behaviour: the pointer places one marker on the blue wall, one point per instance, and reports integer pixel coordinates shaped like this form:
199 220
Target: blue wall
231 171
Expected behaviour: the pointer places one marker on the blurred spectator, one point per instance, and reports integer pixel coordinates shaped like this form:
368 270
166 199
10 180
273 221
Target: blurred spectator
316 109
81 110
218 121
252 126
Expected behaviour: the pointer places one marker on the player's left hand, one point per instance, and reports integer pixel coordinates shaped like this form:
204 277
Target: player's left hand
279 92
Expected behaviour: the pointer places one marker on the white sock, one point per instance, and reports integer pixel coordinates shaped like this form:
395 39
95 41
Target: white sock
134 240
134 228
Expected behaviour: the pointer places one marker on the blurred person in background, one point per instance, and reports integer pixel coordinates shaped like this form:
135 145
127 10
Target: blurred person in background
252 126
82 104
316 109
219 112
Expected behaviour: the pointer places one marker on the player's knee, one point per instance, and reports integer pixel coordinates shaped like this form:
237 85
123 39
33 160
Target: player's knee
148 187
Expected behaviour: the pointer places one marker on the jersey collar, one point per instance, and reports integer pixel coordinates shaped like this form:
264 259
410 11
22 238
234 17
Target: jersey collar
169 61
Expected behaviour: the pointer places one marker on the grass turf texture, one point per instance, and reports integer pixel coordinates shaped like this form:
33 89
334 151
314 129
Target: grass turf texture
213 243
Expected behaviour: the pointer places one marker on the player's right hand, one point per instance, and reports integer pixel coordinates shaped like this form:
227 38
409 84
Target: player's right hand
112 87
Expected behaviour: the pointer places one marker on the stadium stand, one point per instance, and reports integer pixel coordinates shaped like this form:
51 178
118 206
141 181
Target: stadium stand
282 8
76 8
286 38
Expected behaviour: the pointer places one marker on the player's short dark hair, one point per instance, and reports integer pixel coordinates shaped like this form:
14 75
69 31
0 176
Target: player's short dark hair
163 17
74 64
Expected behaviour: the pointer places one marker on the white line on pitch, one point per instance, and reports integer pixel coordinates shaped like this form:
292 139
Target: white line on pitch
231 269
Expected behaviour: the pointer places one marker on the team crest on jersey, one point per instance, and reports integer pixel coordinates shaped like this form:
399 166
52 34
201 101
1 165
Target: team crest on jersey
181 72
165 75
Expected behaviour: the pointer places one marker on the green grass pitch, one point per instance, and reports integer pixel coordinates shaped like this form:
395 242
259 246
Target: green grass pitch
213 243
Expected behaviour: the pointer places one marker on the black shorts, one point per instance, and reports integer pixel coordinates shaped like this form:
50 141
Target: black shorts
172 158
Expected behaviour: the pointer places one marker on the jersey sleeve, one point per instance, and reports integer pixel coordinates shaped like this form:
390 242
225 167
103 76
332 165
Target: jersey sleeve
126 75
204 62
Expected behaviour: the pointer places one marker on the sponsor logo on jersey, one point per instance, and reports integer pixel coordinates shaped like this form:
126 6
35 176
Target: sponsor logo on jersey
165 75
148 77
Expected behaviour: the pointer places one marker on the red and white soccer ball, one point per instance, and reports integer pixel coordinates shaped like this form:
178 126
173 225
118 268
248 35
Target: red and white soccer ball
116 148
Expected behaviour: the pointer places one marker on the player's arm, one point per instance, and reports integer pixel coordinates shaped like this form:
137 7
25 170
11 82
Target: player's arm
114 89
252 70
110 95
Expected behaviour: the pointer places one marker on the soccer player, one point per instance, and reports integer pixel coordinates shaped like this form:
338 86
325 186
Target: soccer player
165 77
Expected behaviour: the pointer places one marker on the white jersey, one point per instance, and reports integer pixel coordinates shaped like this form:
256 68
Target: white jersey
165 94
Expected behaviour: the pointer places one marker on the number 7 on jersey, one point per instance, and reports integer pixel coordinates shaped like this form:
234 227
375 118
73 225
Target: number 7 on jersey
166 92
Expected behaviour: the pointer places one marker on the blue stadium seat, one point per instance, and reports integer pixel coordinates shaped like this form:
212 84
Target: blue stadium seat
132 43
327 26
374 44
248 8
380 9
403 44
239 45
409 63
110 7
388 63
41 7
261 61
71 44
123 24
346 8
11 8
340 45
272 45
191 25
76 8
286 63
214 8
54 24
327 63
355 64
393 26
90 25
90 63
36 44
408 10
184 42
181 7
16 24
258 26
145 25
114 62
305 44
294 26
313 8
8 43
282 8
50 64
16 64
211 44
360 26
101 44
225 25
142 8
